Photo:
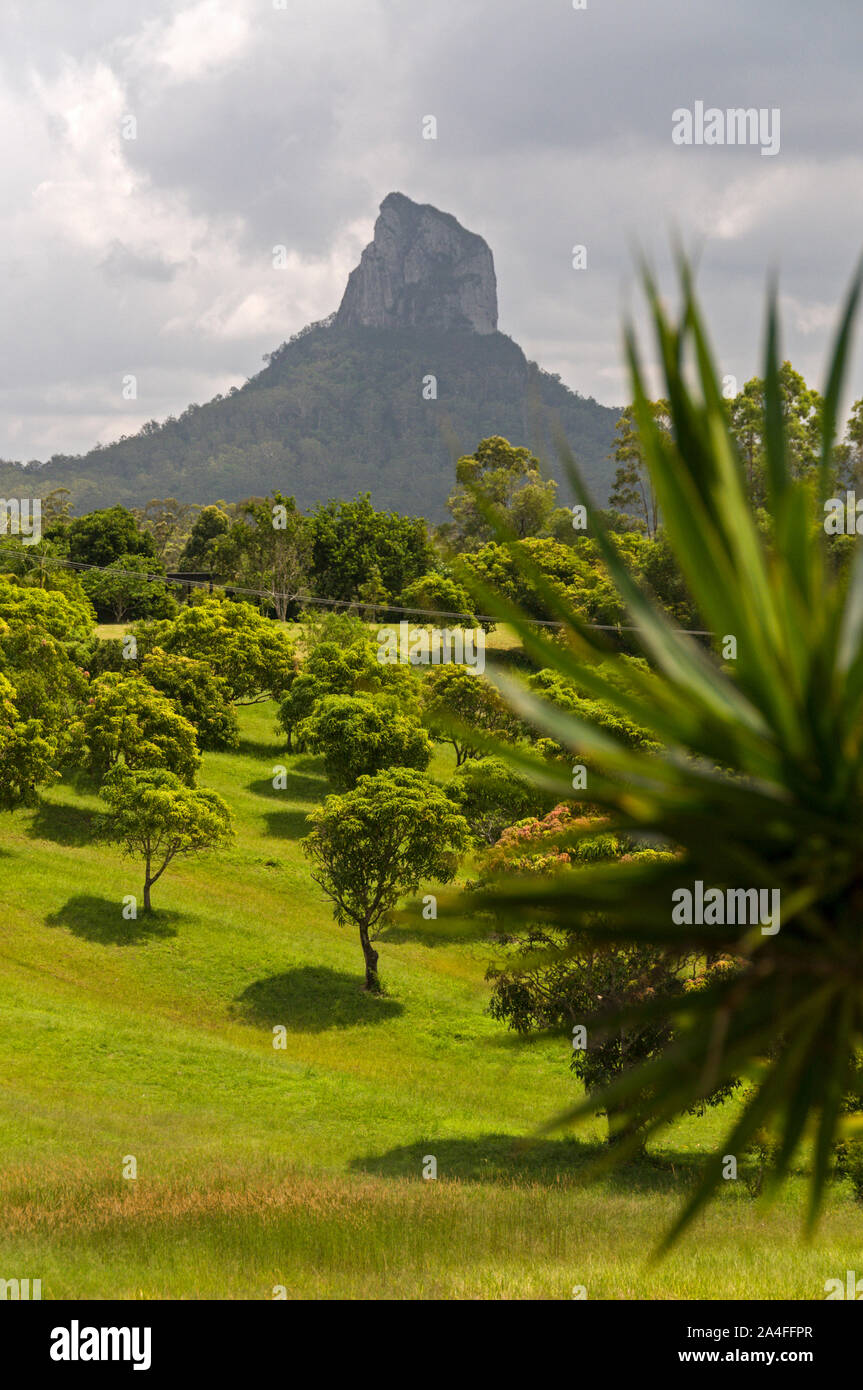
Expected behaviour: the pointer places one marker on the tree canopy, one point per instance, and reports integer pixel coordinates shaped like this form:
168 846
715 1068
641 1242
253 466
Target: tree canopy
154 816
377 843
126 721
510 481
357 737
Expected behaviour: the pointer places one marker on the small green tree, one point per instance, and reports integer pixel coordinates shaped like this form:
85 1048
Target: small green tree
155 816
48 683
357 737
249 651
201 697
491 796
126 721
456 701
68 616
28 755
347 667
378 842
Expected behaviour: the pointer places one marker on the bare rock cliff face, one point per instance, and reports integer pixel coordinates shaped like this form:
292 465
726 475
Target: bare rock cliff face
422 270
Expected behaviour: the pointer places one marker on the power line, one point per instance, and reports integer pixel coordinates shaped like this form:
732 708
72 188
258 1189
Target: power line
178 578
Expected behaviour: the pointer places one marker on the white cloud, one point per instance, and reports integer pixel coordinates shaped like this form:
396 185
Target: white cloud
197 41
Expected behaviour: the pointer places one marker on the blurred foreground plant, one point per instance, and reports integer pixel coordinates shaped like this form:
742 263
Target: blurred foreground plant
758 784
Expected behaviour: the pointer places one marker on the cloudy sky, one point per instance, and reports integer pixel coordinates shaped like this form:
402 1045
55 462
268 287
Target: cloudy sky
256 126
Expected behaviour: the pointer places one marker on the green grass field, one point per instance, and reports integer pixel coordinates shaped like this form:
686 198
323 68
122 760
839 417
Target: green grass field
302 1167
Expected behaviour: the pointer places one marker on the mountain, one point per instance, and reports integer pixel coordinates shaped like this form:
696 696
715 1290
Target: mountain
422 270
410 372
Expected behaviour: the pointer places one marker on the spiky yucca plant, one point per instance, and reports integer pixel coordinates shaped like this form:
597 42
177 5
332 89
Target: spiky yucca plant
760 781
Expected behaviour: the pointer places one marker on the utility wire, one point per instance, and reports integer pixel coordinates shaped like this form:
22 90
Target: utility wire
177 578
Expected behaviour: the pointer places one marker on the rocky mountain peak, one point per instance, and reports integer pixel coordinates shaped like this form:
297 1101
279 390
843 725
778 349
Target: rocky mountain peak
421 270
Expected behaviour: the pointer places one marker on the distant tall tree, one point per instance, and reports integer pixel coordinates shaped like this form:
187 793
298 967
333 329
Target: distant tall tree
801 411
849 454
268 548
511 481
168 522
56 507
632 491
355 547
102 537
209 527
127 589
440 593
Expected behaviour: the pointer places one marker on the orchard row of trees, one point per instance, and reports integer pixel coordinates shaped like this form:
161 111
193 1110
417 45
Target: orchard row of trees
134 720
135 714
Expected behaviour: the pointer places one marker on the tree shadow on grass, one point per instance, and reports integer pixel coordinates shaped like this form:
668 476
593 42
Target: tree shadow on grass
308 763
259 748
101 920
311 999
287 825
82 780
298 787
508 1158
433 932
64 824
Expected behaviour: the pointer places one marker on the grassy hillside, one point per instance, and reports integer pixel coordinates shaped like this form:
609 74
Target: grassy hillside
303 1167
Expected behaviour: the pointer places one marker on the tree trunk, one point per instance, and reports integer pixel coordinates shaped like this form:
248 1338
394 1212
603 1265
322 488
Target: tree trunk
373 984
147 882
619 1128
